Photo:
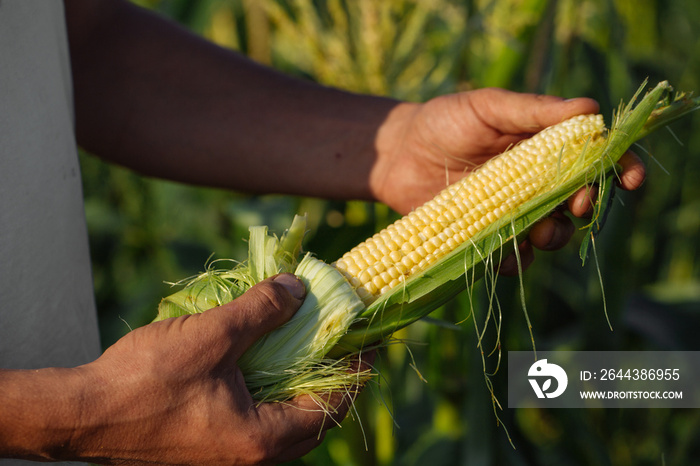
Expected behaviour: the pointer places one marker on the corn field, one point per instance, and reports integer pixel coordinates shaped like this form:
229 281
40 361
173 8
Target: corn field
431 404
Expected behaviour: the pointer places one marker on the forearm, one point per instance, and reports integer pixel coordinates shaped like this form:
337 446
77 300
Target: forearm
40 412
90 413
153 97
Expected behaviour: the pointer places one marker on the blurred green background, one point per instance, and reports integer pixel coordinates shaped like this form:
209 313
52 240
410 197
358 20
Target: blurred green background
145 232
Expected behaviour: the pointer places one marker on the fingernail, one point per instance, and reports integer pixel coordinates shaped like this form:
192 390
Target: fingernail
292 284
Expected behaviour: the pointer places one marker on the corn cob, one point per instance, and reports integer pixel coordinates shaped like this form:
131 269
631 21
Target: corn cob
412 267
586 155
468 207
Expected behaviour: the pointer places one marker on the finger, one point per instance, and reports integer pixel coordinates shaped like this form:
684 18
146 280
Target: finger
552 233
517 113
329 409
632 177
336 405
509 266
300 424
300 449
582 202
262 308
633 171
364 361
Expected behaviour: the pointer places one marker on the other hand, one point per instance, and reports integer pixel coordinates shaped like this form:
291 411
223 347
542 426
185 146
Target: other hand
438 142
170 392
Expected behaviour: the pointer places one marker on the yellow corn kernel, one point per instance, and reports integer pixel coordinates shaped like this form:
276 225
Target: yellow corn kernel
467 207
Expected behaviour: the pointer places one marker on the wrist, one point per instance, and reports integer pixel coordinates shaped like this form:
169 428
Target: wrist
109 423
42 411
389 150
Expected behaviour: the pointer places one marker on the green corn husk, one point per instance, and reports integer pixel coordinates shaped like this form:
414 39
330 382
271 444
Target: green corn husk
444 280
291 359
310 353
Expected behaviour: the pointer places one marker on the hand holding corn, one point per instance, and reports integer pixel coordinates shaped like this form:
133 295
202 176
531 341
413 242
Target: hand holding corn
172 393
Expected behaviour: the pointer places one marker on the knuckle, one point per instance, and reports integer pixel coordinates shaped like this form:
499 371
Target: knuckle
254 446
267 305
271 296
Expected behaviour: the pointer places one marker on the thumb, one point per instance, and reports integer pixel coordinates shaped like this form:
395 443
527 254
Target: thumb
261 309
514 112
